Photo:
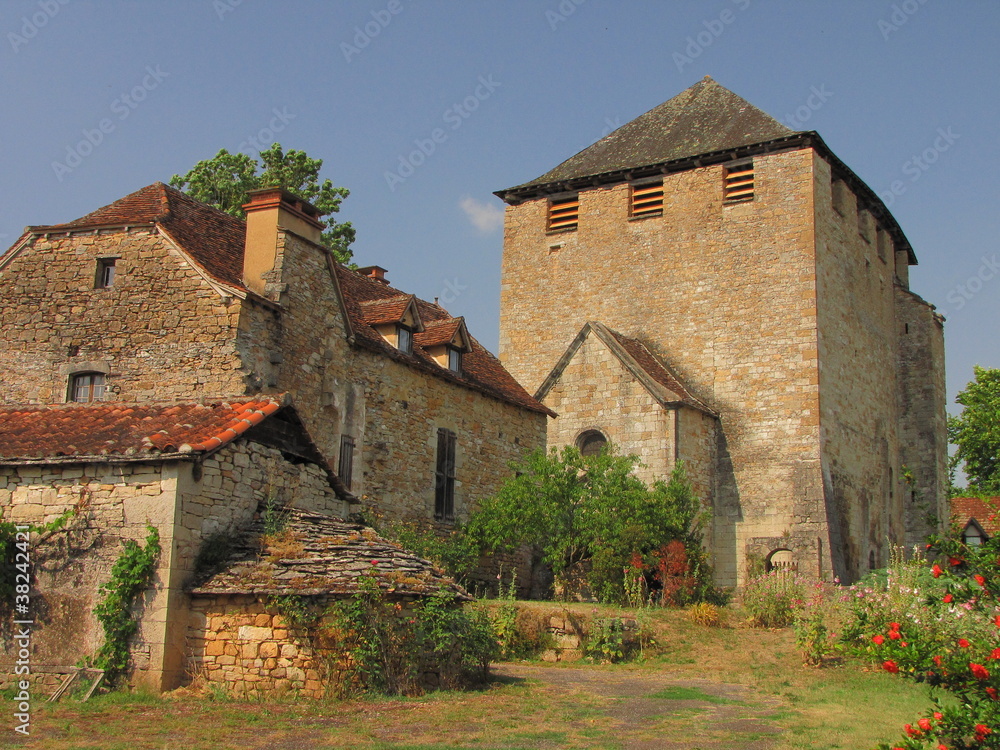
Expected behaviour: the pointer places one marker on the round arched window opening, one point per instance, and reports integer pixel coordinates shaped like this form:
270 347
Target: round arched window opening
591 443
780 559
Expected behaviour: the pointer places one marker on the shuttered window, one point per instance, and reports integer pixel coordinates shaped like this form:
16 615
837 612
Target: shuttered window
444 476
738 183
647 199
564 213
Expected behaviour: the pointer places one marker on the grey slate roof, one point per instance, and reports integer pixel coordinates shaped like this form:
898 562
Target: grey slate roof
317 555
702 119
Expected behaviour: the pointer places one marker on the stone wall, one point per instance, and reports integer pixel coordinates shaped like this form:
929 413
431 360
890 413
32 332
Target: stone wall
159 332
724 293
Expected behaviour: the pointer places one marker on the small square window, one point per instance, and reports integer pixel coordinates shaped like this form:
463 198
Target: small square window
105 273
86 387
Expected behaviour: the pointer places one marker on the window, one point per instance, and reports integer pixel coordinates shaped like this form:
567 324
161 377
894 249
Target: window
105 273
346 466
973 536
563 213
85 387
738 183
404 339
454 359
647 199
444 476
591 443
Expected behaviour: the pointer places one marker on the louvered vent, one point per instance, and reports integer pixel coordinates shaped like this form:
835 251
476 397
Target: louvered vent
564 213
647 199
739 183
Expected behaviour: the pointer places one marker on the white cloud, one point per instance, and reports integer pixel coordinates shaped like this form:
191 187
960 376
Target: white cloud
485 217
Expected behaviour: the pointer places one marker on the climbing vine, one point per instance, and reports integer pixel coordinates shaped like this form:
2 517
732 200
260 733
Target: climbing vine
11 544
130 577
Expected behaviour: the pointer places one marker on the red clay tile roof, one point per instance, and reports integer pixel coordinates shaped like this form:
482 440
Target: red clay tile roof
985 512
211 237
125 431
438 332
481 371
391 310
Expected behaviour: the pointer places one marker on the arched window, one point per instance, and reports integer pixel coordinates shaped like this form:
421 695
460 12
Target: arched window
591 442
85 387
780 559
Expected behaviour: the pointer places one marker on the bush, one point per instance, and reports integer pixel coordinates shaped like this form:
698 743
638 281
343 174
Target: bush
705 614
770 599
454 550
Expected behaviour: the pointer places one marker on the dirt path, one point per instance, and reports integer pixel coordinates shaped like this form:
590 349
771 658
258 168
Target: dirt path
650 709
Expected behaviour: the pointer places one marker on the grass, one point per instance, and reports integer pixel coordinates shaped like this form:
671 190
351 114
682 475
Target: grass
706 687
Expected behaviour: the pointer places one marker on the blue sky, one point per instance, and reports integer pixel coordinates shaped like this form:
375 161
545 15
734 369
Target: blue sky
515 87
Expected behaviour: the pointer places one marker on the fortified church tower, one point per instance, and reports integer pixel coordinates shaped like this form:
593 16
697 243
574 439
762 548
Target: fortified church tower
706 285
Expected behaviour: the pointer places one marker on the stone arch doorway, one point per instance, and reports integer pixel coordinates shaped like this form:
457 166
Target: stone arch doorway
591 442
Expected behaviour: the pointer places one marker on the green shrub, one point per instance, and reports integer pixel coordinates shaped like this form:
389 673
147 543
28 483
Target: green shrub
454 550
770 599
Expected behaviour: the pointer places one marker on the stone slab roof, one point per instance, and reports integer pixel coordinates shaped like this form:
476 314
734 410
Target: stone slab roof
316 554
702 119
984 512
126 431
648 369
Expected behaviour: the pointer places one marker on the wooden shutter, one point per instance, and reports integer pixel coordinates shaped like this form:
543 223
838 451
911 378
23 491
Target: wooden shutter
647 199
738 183
346 466
444 476
564 213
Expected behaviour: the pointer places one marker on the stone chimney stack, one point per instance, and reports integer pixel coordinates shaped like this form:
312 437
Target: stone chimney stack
268 210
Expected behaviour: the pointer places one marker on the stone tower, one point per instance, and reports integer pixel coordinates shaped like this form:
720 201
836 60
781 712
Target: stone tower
706 285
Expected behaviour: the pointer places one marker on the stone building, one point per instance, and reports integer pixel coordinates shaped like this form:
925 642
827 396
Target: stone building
705 284
166 362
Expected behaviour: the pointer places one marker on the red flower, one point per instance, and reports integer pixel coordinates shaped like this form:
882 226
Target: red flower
995 654
996 621
878 640
980 580
981 731
992 692
937 660
963 643
947 599
954 561
942 747
911 731
894 634
894 627
890 666
938 715
936 570
374 562
924 724
979 671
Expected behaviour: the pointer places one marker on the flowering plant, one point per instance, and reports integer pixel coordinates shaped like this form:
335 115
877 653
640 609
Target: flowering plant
953 645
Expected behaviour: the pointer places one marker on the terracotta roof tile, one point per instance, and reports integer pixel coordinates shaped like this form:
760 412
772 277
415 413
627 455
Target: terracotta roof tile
438 332
321 555
481 371
391 310
125 431
213 238
985 512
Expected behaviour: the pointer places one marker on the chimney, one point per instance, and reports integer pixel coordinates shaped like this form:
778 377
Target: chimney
375 273
268 210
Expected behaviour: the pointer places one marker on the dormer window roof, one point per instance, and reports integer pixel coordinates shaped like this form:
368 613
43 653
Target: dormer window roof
446 341
397 319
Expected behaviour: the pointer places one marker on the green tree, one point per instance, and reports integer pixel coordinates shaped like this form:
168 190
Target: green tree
225 180
976 432
589 510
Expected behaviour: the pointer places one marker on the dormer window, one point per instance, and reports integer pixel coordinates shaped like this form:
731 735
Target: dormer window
454 359
404 339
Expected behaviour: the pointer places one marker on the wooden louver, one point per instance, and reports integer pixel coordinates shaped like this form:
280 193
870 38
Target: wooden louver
564 212
647 199
739 183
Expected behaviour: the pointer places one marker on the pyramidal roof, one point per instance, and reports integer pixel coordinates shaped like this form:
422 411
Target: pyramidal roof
700 120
